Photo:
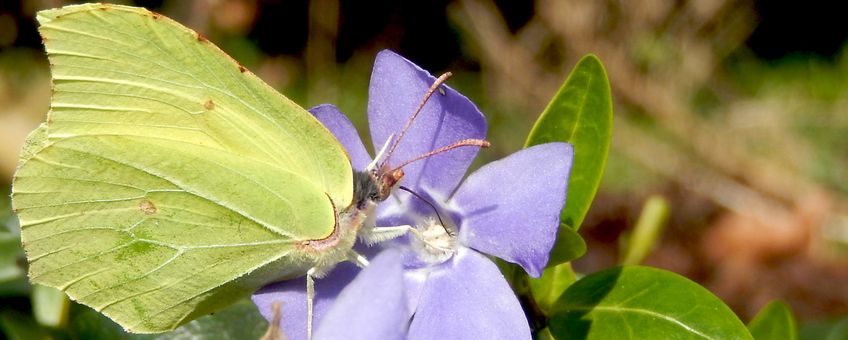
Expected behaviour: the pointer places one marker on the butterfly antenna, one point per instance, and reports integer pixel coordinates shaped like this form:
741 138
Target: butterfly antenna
439 81
465 142
441 223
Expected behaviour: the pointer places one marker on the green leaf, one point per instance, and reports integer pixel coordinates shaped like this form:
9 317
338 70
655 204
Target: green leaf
86 323
10 252
569 246
553 282
544 334
648 229
16 287
825 330
13 280
239 321
549 287
50 306
636 302
581 114
774 322
168 181
555 279
16 326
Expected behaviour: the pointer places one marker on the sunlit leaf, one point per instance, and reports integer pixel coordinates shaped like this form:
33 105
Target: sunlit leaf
635 302
581 114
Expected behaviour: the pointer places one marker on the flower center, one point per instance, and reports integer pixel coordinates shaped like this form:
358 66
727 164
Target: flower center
436 244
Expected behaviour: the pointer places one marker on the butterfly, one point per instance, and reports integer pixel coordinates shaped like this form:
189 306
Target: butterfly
169 181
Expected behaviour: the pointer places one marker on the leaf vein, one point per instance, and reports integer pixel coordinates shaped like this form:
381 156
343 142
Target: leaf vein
619 309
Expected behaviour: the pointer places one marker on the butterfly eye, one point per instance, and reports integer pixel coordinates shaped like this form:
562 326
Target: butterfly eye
374 196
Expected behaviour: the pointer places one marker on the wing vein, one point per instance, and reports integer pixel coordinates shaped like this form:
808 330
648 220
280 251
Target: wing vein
209 199
34 278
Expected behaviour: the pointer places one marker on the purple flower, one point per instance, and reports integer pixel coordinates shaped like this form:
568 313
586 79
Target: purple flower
445 287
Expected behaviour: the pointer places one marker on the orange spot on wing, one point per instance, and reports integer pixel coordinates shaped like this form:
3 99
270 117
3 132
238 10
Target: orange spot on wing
147 207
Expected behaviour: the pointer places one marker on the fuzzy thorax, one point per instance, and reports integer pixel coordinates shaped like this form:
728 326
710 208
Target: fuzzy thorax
328 252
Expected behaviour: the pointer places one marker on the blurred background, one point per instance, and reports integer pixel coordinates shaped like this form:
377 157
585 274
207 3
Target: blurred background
736 112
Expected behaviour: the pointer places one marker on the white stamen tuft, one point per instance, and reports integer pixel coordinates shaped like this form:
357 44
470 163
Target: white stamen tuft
435 244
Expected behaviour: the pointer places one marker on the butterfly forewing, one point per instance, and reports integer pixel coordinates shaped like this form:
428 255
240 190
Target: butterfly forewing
168 181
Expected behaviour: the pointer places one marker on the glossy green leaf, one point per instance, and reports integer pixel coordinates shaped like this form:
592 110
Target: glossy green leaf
648 229
774 322
168 181
581 114
634 302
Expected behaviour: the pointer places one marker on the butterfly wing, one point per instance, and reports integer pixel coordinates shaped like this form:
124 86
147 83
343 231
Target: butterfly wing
168 181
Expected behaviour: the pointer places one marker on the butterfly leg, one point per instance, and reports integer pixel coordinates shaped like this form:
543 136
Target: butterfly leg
357 259
377 235
382 234
310 298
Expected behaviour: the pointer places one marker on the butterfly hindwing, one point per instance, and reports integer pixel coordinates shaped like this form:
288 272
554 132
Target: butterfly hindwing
168 181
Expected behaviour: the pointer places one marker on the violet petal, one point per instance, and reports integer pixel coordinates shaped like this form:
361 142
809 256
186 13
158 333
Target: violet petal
397 87
341 127
468 300
404 208
510 208
372 306
414 281
292 297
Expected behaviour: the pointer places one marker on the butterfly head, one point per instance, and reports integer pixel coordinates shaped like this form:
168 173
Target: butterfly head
374 186
386 181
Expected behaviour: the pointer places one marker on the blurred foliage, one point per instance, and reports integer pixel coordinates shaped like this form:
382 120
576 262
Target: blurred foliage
813 95
836 329
751 151
647 230
774 322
